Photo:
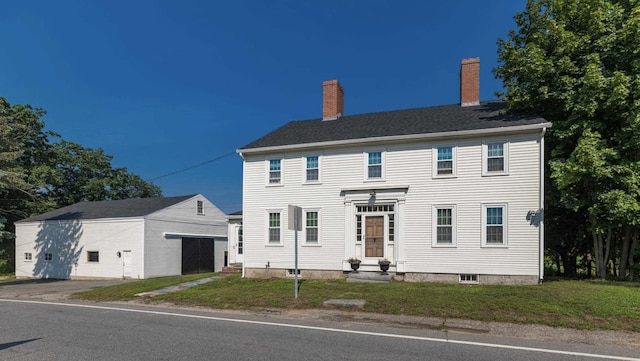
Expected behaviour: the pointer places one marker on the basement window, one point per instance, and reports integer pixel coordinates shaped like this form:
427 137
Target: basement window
93 256
291 272
468 279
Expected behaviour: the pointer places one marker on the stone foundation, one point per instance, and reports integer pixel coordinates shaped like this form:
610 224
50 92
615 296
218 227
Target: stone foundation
283 273
406 277
482 279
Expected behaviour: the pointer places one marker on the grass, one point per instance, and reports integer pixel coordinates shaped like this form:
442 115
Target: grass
128 290
589 305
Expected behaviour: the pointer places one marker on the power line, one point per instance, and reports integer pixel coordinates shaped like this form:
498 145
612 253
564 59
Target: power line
194 166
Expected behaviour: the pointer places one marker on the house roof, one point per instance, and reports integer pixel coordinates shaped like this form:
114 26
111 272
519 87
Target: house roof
428 120
125 208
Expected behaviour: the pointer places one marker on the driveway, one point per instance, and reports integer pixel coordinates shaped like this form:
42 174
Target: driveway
50 289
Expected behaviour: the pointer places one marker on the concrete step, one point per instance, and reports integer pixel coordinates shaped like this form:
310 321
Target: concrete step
369 277
230 270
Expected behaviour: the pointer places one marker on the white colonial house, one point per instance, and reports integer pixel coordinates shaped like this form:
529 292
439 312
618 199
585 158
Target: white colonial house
448 193
131 238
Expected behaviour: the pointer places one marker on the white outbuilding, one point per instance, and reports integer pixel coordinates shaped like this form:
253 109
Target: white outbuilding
131 238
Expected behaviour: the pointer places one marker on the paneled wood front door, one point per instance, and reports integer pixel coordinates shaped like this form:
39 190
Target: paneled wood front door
374 237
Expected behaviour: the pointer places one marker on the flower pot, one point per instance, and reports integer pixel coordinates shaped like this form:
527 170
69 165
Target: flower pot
384 267
355 266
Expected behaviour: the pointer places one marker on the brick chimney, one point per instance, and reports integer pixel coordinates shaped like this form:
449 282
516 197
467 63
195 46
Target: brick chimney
332 100
470 82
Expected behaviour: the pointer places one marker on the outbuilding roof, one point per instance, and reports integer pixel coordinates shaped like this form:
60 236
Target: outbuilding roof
427 120
125 208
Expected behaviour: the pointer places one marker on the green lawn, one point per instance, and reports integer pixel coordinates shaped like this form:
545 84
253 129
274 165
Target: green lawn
126 291
588 305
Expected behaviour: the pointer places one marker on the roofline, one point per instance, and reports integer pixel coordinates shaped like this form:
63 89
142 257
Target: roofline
395 138
83 220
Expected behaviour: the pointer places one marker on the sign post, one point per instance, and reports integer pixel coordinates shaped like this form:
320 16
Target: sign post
295 220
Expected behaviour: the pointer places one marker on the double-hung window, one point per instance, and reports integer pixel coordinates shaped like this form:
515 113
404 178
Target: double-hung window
494 228
274 228
28 256
311 227
275 171
374 165
48 257
445 161
495 158
312 169
444 223
199 207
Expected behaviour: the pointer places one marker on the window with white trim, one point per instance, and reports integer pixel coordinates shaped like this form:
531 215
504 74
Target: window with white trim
445 161
374 165
495 158
494 225
28 256
275 171
311 227
313 169
444 225
48 257
275 235
200 207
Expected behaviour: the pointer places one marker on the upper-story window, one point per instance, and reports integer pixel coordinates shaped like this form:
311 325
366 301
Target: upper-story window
275 171
495 158
374 165
444 161
312 168
200 207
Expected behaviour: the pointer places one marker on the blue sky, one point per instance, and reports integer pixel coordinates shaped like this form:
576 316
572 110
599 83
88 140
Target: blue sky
165 85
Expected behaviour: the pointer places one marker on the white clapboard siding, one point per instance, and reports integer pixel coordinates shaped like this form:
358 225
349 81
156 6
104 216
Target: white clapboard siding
409 164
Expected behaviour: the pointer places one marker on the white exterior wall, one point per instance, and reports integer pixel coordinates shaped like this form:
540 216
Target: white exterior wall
163 253
405 165
69 241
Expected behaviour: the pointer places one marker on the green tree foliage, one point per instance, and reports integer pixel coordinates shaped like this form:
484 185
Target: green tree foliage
38 175
577 63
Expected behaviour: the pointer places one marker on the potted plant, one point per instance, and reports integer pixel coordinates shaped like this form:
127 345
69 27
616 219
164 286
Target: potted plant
384 265
355 263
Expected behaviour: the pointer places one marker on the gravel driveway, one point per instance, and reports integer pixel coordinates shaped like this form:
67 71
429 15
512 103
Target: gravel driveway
50 289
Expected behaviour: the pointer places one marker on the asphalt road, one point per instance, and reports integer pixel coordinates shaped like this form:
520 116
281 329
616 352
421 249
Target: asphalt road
63 330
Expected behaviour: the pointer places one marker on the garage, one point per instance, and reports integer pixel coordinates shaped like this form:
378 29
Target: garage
198 255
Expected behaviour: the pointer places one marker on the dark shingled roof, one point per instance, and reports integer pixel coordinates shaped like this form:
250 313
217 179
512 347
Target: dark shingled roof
135 207
438 119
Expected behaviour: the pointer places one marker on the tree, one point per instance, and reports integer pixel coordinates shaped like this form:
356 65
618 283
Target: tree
576 62
38 175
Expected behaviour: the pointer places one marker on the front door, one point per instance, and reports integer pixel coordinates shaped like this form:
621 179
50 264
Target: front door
239 246
126 264
374 237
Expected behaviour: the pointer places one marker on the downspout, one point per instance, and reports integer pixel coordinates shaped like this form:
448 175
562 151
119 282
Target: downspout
541 207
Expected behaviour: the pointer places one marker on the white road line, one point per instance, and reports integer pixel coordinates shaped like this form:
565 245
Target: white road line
429 339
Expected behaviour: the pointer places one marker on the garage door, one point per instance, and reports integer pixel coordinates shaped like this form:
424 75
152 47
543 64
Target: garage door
197 255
